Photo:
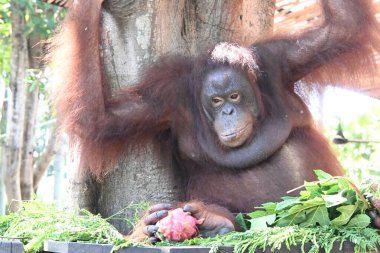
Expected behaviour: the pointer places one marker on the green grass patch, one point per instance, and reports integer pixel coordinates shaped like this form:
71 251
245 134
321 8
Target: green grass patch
37 222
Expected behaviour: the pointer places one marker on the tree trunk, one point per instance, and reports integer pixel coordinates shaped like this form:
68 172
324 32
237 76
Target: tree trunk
135 34
2 187
19 61
2 165
27 159
46 158
59 163
26 171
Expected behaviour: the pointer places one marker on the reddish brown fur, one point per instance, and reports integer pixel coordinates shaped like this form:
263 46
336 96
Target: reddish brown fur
168 98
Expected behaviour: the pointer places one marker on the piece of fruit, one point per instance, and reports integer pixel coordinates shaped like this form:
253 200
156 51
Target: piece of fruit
178 225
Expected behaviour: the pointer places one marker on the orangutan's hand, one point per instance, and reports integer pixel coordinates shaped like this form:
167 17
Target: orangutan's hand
146 228
216 219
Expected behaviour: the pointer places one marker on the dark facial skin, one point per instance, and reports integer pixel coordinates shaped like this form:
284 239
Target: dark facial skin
229 103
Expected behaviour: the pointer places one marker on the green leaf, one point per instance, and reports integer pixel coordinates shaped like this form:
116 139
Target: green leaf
334 200
258 214
305 195
343 184
287 219
307 204
351 196
313 188
270 207
316 216
298 213
330 186
287 202
262 222
359 221
333 189
346 214
241 221
321 175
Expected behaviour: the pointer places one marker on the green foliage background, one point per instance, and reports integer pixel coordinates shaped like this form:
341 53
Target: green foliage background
41 19
361 160
5 45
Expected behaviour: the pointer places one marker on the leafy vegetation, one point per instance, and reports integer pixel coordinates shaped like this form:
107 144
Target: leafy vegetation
275 238
5 33
329 211
326 213
38 221
334 201
41 19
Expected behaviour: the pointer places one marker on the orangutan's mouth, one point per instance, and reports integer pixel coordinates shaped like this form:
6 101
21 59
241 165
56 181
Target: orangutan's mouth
234 135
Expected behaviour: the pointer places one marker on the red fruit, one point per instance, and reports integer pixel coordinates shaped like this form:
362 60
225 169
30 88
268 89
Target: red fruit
178 225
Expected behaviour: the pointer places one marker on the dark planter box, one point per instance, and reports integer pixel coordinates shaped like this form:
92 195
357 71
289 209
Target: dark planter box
71 247
11 247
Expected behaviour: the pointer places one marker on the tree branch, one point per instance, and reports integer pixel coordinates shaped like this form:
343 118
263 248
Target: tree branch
46 158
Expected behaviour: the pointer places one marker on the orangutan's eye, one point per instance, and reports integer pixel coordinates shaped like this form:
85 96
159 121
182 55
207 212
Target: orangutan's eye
217 101
235 97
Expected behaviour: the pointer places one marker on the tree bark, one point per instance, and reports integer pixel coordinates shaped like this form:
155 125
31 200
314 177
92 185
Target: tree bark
59 163
43 163
31 109
135 34
26 167
2 165
2 186
19 61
